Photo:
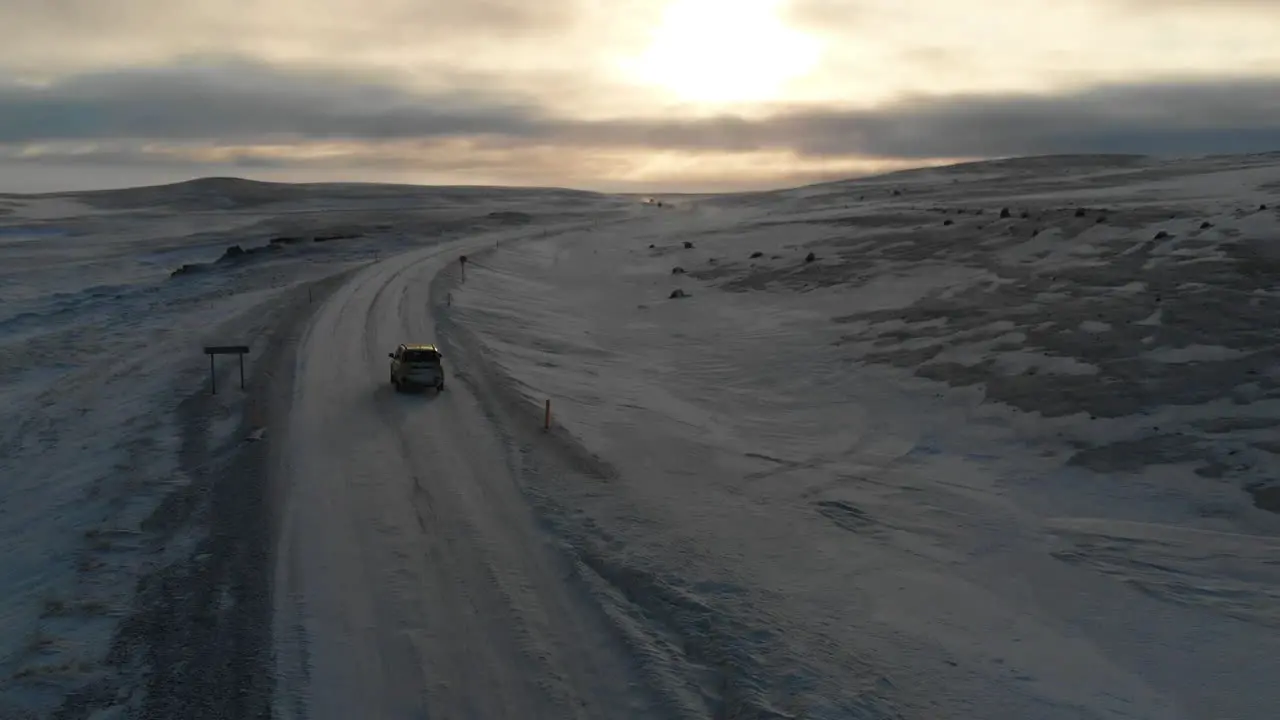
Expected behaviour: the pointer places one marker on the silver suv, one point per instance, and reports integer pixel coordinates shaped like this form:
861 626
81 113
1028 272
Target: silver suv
416 366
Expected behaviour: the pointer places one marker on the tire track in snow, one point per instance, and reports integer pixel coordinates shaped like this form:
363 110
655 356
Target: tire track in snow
427 589
684 648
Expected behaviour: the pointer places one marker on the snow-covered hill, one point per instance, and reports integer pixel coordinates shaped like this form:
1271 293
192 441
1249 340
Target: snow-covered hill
1004 448
994 440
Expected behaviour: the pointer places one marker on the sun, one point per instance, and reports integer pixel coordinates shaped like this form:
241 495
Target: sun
724 51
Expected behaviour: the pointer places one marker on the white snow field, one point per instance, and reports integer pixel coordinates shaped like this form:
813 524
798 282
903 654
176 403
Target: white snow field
988 469
136 526
963 463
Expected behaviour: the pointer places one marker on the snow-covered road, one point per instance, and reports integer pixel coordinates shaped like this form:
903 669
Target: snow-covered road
412 580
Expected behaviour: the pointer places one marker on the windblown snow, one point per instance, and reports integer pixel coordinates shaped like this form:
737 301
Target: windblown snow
987 441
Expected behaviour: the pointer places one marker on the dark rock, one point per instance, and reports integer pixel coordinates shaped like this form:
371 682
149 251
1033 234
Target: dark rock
285 240
948 222
651 246
677 270
1004 213
688 245
1206 225
1262 207
1265 498
232 252
677 293
1025 215
510 217
189 269
1080 212
810 258
1162 235
757 254
1101 219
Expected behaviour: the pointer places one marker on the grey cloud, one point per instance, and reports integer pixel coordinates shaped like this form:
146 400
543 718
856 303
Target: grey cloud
140 156
245 103
239 100
53 38
1162 118
418 18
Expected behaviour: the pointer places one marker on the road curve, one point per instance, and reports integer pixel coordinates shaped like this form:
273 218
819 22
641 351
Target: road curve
412 580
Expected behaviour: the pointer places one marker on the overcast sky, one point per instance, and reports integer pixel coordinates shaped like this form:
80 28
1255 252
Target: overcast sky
617 94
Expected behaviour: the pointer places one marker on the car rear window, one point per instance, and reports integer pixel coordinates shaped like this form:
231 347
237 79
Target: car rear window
421 356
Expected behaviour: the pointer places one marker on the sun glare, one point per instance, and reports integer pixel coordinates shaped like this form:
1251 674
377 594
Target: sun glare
725 51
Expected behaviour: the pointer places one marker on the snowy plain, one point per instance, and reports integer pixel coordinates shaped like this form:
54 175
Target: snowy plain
959 465
135 522
963 463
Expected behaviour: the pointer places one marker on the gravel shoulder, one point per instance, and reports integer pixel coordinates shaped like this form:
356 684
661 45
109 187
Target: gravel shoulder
197 641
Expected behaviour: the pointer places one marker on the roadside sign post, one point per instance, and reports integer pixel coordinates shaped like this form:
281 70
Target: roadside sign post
211 350
462 263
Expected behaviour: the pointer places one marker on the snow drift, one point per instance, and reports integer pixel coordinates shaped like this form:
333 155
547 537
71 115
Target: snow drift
989 441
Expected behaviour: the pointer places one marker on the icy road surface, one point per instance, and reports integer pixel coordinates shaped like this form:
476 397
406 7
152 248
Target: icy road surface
412 581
